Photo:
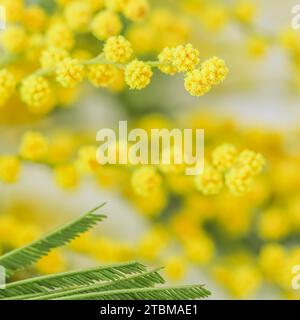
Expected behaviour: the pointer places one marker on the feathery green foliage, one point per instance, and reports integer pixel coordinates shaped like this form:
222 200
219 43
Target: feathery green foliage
125 281
142 280
169 293
25 256
44 284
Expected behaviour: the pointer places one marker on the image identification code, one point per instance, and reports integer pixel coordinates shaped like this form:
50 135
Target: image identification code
150 309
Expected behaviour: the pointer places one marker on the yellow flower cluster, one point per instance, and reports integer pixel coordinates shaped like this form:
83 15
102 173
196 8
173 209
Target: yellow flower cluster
53 41
52 56
239 178
210 181
34 146
9 169
101 75
138 74
145 181
269 211
78 15
224 157
136 10
226 167
36 93
7 86
69 72
236 170
186 59
60 36
66 176
242 14
106 24
212 72
14 39
118 49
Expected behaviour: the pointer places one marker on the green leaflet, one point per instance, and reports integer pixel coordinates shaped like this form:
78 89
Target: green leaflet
169 293
71 279
142 280
25 256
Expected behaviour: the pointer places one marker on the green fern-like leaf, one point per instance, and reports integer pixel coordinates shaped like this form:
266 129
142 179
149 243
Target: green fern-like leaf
77 278
142 280
128 281
169 293
25 256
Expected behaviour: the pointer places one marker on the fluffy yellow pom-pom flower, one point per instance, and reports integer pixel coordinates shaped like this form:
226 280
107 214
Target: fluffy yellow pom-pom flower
96 5
52 56
210 181
106 24
14 39
145 181
59 35
36 93
101 75
9 169
66 176
245 11
272 254
252 160
185 58
166 59
118 49
200 249
138 74
195 84
136 10
69 72
14 9
35 19
115 5
214 71
257 47
273 225
175 268
87 159
78 15
239 180
7 86
34 146
224 156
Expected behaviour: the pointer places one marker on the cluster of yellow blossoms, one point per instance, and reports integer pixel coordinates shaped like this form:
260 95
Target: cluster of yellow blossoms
236 169
239 239
215 16
54 44
198 81
226 167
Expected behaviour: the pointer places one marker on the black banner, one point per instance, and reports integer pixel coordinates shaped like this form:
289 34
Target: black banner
97 310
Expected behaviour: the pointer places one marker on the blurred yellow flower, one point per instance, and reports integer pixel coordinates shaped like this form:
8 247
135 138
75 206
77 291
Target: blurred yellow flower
9 169
34 146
